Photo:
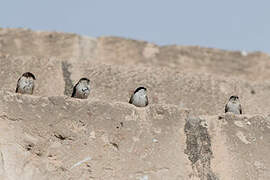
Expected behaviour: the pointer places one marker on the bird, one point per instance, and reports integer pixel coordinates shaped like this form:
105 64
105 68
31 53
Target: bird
26 84
233 105
139 97
82 89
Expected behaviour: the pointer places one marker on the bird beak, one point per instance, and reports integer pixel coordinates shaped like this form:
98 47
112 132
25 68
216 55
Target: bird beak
85 89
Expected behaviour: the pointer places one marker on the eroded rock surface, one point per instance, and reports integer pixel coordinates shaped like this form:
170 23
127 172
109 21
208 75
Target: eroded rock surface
182 134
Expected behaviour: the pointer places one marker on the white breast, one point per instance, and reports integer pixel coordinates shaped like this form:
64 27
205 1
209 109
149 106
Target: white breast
26 85
82 91
139 99
233 107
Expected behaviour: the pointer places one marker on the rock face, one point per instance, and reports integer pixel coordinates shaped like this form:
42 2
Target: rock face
182 134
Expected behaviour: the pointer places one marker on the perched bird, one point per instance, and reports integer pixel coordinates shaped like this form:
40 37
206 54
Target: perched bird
25 84
233 105
139 97
82 89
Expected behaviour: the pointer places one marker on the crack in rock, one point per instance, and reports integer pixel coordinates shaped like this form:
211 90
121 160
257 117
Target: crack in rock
2 164
198 148
67 78
5 117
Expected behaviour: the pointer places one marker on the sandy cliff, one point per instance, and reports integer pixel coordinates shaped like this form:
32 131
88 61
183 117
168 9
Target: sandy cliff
183 133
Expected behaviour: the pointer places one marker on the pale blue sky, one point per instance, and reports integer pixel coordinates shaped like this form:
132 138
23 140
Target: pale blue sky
230 24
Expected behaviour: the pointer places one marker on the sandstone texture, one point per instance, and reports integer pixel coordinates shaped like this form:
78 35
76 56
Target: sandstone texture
182 135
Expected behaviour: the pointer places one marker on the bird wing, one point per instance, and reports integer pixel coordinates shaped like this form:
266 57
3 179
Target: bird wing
33 88
240 108
131 99
74 90
226 108
17 88
146 101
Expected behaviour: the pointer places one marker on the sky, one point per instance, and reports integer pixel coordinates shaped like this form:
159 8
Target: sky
232 24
